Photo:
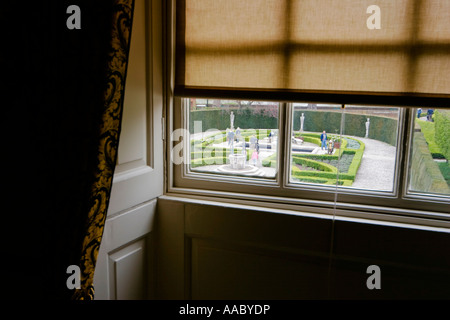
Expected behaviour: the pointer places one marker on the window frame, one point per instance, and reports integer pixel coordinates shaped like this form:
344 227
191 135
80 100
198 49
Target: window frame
415 195
399 207
280 189
349 190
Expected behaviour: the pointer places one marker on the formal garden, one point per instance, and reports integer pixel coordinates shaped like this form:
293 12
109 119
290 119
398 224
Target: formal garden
339 167
256 131
241 132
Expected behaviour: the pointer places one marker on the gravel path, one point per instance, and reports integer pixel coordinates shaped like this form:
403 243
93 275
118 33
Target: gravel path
377 166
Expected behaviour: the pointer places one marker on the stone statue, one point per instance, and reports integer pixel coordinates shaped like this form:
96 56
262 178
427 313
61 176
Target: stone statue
232 120
367 128
230 137
302 120
238 134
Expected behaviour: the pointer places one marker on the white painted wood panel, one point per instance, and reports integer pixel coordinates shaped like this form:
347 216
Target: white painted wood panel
133 137
139 173
170 252
125 264
126 254
128 275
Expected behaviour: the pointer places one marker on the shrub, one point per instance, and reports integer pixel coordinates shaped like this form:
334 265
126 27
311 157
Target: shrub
312 140
357 158
314 164
208 161
442 131
314 180
445 170
244 118
270 161
210 155
319 177
329 171
319 157
429 132
381 128
426 176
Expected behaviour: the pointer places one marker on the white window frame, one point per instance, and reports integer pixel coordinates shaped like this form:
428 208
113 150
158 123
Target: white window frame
397 206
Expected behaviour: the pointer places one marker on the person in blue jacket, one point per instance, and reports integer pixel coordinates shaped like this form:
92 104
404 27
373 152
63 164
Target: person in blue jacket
430 114
323 139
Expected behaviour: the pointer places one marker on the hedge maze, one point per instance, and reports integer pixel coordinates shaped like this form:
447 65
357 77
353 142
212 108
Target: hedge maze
203 151
339 168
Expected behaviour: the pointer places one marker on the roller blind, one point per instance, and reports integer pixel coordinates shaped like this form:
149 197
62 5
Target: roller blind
323 48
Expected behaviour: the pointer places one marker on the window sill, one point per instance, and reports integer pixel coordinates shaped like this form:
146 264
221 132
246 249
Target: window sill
385 216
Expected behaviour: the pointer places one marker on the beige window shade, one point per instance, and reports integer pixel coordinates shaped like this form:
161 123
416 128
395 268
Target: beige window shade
314 48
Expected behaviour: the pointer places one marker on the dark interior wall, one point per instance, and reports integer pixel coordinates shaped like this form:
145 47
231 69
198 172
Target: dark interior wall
234 253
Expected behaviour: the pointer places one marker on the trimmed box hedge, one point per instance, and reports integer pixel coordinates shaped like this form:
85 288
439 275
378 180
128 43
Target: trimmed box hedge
205 154
245 118
322 166
442 131
270 161
381 128
328 171
208 161
429 132
425 173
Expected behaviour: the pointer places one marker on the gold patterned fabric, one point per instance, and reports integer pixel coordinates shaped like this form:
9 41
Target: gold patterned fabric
108 144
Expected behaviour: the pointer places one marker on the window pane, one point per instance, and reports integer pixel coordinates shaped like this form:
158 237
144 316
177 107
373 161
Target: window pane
352 147
429 171
233 137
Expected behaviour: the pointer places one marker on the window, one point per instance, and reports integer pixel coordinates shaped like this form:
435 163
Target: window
373 156
233 137
429 169
325 114
348 146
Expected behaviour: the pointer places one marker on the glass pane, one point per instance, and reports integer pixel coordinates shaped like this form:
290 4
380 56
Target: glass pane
352 147
233 137
429 171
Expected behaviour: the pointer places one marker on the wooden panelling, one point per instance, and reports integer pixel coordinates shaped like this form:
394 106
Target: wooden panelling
128 274
215 251
224 271
125 264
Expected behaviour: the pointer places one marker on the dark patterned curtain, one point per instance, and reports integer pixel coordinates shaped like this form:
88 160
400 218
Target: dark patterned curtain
62 99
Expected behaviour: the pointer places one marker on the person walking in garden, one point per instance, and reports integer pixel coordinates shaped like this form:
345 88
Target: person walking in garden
323 139
254 157
430 114
331 146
